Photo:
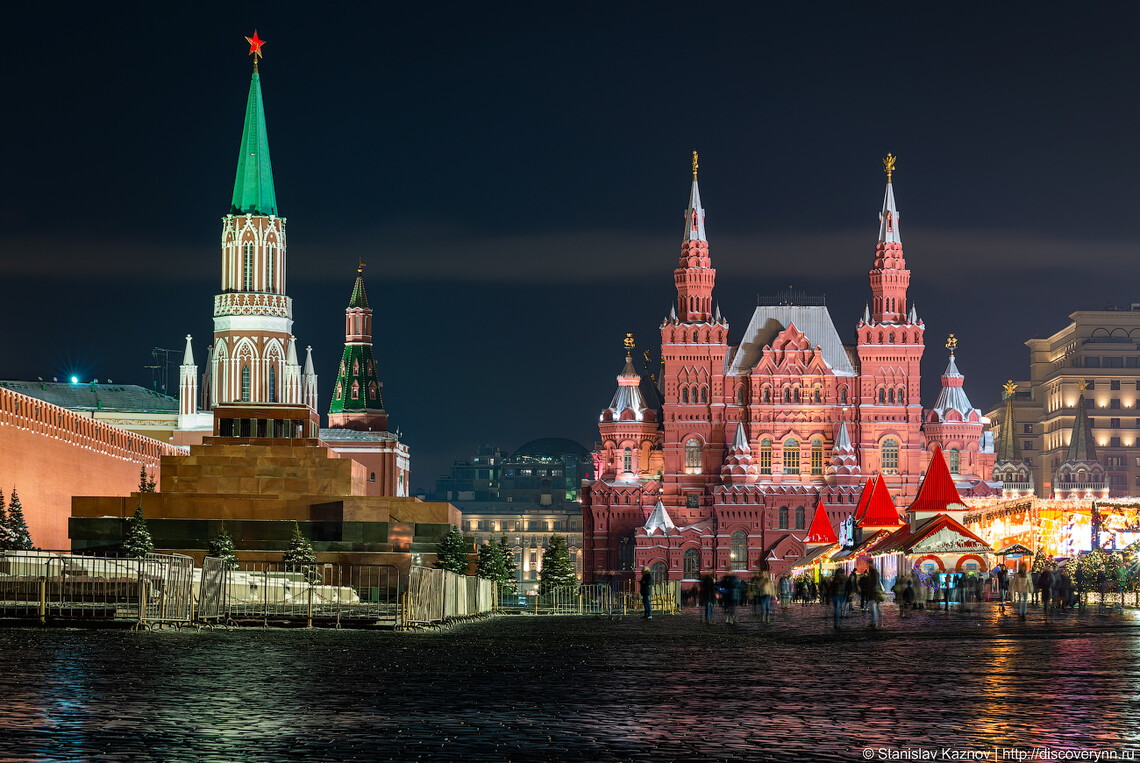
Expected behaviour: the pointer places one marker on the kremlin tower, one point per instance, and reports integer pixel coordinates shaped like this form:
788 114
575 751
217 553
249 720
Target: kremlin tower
958 428
358 399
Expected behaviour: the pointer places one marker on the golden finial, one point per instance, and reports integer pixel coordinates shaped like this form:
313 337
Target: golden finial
1009 387
1082 385
889 165
628 342
361 265
951 344
695 165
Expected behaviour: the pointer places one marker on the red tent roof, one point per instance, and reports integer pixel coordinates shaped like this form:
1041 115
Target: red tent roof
880 511
821 530
905 539
863 499
937 490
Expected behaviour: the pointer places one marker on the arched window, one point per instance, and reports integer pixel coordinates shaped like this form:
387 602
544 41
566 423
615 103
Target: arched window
843 396
791 456
694 336
339 390
767 395
269 267
799 517
891 396
248 266
692 456
740 395
816 395
882 396
704 394
783 517
691 564
738 550
684 394
787 394
901 396
372 390
890 454
955 460
272 384
816 456
356 368
796 394
660 572
765 456
245 384
356 390
891 337
627 460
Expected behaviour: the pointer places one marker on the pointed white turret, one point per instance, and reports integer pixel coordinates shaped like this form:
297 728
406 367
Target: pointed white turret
659 520
673 313
291 383
309 381
843 440
912 316
187 388
889 218
740 441
866 313
694 215
718 318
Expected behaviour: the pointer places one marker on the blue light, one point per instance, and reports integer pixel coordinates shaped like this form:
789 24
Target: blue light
75 380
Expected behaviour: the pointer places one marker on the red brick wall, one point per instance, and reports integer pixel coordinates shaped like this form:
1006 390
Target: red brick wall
50 454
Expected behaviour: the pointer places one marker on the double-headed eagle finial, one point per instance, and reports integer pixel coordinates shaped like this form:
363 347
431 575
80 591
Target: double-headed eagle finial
1009 387
889 165
952 344
628 342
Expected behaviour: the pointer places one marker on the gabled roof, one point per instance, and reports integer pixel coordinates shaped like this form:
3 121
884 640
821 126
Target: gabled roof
253 185
865 497
880 510
815 555
954 535
937 490
821 530
813 321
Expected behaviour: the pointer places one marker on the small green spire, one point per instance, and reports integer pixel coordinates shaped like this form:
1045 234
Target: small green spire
253 186
359 298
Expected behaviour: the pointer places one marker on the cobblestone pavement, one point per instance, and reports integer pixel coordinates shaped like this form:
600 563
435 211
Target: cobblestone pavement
578 688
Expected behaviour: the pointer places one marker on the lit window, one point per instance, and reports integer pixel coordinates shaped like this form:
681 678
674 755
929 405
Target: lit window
890 453
627 460
692 456
356 390
766 456
954 460
817 456
738 549
791 456
692 564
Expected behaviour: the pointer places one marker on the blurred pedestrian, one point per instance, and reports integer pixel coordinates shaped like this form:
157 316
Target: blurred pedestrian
765 590
785 592
707 596
839 594
871 593
907 598
1045 581
1020 586
727 591
646 589
1003 586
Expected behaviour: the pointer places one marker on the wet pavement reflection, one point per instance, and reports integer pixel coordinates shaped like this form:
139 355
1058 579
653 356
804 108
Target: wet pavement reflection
584 688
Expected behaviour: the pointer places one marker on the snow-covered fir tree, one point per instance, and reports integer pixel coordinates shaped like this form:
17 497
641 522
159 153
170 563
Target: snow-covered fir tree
451 552
6 537
557 570
146 481
300 550
222 547
490 562
138 542
509 566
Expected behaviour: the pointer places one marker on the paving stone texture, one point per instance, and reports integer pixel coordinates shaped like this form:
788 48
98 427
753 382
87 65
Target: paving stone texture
530 688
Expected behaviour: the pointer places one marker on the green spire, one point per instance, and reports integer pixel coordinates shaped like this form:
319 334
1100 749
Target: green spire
253 186
359 298
1082 447
1008 446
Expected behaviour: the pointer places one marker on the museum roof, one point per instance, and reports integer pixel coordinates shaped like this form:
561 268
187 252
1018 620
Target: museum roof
813 321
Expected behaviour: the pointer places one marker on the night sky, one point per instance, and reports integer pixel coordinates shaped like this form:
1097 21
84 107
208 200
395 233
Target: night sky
516 176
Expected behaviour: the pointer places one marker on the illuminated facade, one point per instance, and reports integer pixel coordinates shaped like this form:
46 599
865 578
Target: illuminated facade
1100 348
750 438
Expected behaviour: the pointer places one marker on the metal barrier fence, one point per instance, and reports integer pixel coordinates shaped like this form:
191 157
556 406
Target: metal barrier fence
335 593
41 584
597 599
435 596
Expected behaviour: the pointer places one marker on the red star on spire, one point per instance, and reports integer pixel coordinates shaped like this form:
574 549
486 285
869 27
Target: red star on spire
255 45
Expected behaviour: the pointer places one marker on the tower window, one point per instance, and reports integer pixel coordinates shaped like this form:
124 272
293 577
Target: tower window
955 460
740 395
248 257
890 455
245 384
791 456
843 395
816 458
627 460
692 456
767 395
269 268
272 384
356 390
372 391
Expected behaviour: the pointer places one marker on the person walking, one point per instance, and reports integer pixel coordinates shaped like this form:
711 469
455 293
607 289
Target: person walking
785 592
765 590
708 596
1045 581
1003 586
839 594
727 591
871 592
907 598
850 588
1020 586
646 589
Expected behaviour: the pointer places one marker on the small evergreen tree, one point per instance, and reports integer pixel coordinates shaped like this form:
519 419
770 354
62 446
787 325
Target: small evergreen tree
451 552
300 551
222 547
509 567
138 542
5 534
557 570
146 482
490 562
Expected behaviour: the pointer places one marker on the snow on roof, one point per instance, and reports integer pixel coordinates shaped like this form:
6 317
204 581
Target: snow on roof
813 321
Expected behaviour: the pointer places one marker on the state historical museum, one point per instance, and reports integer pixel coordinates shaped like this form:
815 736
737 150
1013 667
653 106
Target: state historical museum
722 464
